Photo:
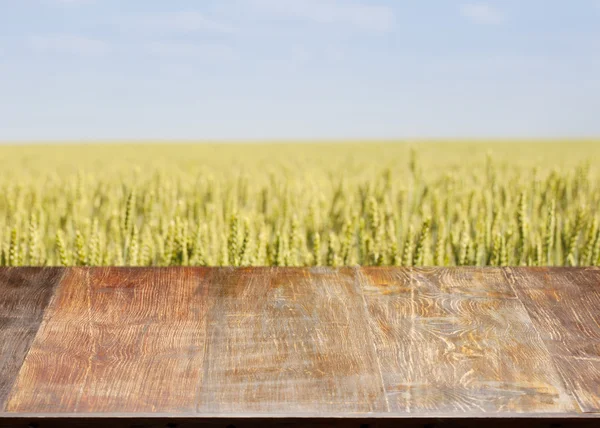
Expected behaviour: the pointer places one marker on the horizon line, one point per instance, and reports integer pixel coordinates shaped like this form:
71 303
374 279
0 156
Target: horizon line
92 141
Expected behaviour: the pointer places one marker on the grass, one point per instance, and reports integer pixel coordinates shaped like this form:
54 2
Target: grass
425 203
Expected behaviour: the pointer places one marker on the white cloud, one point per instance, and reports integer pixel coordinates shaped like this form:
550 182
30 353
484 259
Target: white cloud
361 16
206 51
482 13
68 44
68 2
184 21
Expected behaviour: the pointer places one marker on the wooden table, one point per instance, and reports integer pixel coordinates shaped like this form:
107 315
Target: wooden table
360 347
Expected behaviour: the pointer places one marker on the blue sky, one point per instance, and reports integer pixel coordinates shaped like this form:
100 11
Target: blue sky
300 69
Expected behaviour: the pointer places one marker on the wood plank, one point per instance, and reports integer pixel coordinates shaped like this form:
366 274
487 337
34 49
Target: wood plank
286 340
564 304
24 297
458 340
118 340
281 342
582 376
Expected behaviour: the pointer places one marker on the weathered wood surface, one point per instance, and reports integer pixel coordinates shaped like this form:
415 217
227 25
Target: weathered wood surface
283 342
289 340
458 341
564 304
24 296
127 340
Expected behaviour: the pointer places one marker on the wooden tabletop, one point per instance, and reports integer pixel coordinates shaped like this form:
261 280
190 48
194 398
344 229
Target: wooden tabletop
296 342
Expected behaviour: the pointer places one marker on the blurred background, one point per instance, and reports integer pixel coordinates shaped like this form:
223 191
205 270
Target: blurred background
298 69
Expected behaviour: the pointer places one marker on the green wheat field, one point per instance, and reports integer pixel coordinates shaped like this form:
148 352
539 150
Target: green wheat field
336 204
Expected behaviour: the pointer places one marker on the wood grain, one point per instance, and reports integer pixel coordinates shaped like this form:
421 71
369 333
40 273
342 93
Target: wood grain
458 340
315 342
24 296
564 304
582 376
118 340
289 340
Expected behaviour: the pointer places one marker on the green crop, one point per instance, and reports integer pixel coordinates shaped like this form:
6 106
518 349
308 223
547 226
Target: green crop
338 204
